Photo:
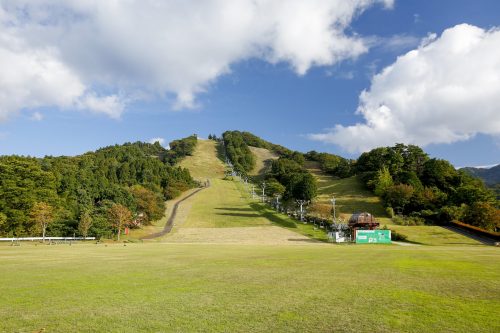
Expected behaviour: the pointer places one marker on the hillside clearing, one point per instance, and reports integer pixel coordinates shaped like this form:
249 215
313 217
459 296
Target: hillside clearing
226 213
204 162
350 194
263 158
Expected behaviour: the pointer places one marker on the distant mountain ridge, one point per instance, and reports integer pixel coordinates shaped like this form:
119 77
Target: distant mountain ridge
491 176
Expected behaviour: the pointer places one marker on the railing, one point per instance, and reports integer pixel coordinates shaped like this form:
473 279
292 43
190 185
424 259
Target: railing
17 239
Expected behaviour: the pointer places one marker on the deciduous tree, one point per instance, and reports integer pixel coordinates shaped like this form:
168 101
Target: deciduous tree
119 216
42 214
85 223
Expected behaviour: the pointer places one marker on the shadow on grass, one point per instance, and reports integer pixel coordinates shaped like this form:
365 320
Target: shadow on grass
239 214
273 217
303 240
236 209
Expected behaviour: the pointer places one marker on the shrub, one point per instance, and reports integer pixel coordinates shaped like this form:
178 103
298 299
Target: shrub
390 212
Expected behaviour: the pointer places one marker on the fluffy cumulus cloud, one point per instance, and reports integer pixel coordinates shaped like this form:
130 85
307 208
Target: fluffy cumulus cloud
161 141
446 90
55 52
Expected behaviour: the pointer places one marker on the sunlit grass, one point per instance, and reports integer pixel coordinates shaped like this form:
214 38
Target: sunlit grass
234 288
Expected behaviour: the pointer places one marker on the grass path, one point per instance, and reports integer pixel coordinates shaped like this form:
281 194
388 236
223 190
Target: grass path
170 222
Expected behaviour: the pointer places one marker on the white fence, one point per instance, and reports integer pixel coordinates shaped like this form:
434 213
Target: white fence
17 239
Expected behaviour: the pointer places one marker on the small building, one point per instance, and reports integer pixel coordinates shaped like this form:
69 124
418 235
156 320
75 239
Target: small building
363 221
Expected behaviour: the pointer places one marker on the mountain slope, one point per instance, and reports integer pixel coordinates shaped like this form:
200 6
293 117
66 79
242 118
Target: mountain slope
225 211
490 176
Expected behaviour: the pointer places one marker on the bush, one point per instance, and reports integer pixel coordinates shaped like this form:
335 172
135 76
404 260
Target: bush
408 221
396 236
390 212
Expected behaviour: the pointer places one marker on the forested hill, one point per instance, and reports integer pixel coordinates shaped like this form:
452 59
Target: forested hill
137 177
409 182
491 176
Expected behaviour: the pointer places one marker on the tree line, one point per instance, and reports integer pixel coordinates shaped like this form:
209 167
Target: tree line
287 177
83 195
427 189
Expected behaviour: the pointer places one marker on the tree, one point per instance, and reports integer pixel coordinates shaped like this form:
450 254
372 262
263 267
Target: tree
274 187
382 181
306 188
85 223
148 203
399 195
42 214
119 216
483 215
3 221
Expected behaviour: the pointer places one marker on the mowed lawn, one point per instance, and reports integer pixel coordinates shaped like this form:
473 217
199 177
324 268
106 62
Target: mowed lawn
234 288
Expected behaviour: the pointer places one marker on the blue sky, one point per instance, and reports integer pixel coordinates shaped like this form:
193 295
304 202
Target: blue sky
301 95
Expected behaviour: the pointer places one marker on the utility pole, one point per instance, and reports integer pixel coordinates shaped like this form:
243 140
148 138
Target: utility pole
263 185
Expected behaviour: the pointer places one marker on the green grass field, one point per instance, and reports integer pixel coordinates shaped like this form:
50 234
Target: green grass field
298 285
220 288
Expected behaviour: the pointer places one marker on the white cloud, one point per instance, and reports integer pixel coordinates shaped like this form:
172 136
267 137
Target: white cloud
161 141
36 116
159 47
446 90
111 105
34 77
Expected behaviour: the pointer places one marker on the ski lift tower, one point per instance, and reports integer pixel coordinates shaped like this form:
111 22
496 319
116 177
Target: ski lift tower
278 202
263 186
301 204
332 200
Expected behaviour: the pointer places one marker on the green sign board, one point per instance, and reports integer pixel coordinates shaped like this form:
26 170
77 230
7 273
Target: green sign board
373 236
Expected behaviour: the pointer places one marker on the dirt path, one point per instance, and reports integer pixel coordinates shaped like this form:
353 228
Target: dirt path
170 222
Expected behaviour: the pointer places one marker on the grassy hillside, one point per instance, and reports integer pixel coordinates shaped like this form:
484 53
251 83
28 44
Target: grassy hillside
263 159
228 204
203 163
222 205
247 288
350 193
351 196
